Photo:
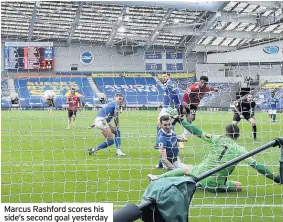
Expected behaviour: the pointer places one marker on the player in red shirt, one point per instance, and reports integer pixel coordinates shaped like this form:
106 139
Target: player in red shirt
74 104
192 97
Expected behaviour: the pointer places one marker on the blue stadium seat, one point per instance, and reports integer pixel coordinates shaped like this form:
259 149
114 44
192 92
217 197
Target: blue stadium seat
137 91
30 90
220 86
5 103
4 88
183 83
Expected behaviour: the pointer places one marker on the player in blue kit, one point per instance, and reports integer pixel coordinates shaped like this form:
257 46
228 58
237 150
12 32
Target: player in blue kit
272 104
171 95
168 145
102 122
172 99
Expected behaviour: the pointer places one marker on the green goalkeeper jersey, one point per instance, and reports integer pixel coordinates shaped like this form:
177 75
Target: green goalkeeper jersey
223 149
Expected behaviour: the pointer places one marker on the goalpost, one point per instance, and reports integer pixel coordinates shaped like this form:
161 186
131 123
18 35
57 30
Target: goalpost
43 162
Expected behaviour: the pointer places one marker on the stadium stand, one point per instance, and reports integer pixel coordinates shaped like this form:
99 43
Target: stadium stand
5 100
137 91
221 87
183 80
4 88
5 103
183 83
30 90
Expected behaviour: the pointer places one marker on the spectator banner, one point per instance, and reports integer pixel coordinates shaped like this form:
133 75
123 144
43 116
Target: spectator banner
153 67
174 55
180 76
273 85
174 67
34 87
153 55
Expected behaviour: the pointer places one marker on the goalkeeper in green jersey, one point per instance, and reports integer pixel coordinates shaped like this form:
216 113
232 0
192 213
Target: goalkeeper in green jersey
223 149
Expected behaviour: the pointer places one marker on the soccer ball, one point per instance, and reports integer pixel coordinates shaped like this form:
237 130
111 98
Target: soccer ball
48 94
171 112
14 95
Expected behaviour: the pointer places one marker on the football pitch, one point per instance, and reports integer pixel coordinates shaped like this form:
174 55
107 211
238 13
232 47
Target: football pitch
42 161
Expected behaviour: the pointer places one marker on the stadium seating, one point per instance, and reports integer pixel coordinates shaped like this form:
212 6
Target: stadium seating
262 95
183 83
221 87
4 88
137 91
30 90
5 101
145 91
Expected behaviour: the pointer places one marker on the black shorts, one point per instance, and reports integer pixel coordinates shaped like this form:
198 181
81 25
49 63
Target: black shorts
238 118
50 102
71 113
192 109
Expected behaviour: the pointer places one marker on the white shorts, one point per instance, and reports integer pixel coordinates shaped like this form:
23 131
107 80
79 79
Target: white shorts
100 123
271 111
163 112
179 165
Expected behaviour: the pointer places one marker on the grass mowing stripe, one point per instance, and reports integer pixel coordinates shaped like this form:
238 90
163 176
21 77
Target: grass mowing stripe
44 162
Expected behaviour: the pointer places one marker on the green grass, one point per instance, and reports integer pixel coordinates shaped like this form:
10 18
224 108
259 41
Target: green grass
44 162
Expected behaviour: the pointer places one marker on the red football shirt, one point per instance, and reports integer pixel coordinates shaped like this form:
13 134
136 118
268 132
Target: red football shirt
73 101
195 93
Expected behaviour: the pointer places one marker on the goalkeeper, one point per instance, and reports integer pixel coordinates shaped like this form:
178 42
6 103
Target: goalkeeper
223 149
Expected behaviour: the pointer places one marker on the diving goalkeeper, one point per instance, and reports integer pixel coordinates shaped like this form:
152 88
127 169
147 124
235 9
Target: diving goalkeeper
223 149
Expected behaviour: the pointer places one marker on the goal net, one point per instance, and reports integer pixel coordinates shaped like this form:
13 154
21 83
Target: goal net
101 50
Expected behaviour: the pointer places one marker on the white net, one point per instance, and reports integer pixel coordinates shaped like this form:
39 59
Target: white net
104 49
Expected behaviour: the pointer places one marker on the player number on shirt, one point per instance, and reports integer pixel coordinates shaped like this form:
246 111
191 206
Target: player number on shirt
222 153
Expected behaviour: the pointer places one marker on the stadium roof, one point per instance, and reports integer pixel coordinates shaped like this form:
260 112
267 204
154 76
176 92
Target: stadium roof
212 26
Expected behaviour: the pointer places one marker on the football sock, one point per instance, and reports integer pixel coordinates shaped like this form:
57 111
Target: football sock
273 118
254 131
105 144
160 165
117 138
